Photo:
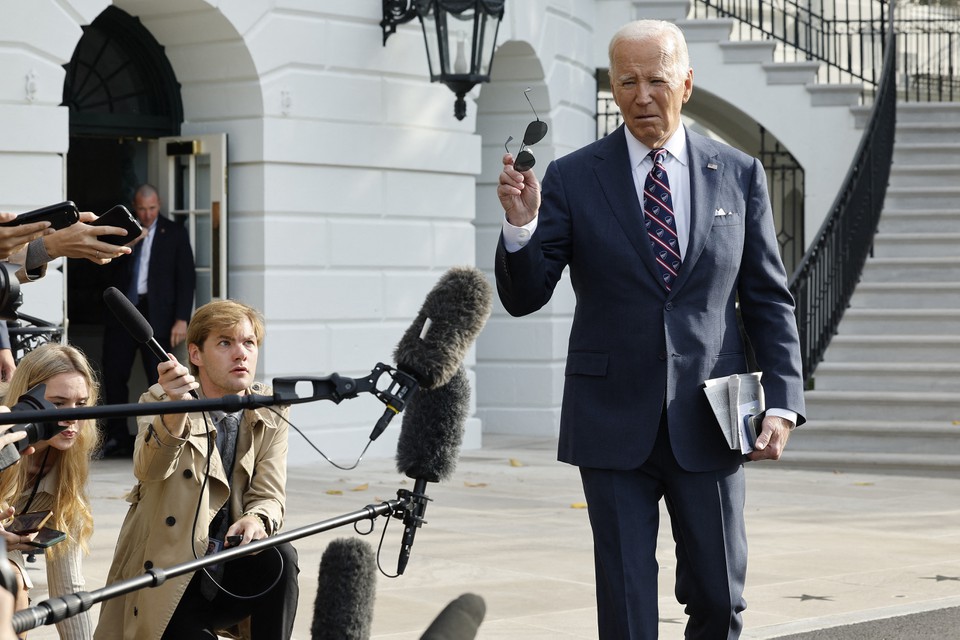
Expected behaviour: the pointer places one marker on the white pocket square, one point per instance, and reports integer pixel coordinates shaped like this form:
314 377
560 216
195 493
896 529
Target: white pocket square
721 212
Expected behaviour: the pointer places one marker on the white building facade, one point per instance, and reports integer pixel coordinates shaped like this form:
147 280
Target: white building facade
350 188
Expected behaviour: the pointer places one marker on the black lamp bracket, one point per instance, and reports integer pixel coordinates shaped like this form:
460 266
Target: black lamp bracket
396 12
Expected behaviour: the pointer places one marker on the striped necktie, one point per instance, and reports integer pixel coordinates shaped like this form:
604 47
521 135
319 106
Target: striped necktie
659 219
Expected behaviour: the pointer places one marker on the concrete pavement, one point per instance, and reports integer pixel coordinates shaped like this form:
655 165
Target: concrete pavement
827 548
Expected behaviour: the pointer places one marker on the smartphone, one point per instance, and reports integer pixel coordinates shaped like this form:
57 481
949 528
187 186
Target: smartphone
27 523
119 216
60 216
46 537
234 540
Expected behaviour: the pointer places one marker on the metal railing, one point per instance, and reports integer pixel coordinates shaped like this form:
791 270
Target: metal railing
825 280
848 37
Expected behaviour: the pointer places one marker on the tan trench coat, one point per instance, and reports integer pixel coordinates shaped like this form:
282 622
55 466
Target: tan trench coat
157 529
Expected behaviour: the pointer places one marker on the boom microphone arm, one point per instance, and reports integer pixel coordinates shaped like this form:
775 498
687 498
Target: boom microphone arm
54 610
334 387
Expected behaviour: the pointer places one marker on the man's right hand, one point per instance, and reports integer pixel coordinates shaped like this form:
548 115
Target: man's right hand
13 239
519 193
177 383
176 379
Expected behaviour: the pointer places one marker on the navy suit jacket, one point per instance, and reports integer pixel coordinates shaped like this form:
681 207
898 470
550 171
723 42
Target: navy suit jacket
171 279
633 345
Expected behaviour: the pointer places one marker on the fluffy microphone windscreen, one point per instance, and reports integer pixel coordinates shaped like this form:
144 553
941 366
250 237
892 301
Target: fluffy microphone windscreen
459 620
432 431
124 311
346 587
451 318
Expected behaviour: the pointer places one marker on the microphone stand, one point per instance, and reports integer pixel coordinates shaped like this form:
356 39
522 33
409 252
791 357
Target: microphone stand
54 610
333 387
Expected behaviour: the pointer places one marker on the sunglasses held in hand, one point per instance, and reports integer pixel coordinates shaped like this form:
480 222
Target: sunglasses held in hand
535 132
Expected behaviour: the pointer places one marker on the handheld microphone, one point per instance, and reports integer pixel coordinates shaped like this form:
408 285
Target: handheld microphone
459 620
135 324
346 587
432 348
428 447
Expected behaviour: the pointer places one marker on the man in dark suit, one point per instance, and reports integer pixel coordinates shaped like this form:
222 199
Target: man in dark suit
159 279
661 246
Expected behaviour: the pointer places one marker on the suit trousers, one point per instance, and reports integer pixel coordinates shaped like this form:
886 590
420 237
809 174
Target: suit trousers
262 586
706 517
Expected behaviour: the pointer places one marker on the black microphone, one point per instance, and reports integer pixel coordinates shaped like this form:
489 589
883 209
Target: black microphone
428 447
459 620
135 324
451 318
346 587
432 348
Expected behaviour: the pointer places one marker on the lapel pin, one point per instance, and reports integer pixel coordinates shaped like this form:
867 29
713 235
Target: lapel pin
712 166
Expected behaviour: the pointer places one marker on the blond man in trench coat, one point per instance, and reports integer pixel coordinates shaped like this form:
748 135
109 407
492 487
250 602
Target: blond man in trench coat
170 463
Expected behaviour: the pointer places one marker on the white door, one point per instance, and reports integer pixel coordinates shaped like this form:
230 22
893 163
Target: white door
191 174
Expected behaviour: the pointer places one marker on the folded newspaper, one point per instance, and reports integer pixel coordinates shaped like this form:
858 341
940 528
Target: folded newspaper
734 400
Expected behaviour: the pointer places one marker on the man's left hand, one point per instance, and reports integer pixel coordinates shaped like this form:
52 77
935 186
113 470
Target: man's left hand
772 439
178 333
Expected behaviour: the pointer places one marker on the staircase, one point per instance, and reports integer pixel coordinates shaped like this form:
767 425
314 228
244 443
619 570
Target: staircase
887 395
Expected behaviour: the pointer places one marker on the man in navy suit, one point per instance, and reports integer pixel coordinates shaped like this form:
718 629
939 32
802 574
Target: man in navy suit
649 328
159 279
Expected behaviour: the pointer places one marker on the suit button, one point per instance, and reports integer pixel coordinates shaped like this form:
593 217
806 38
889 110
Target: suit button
147 565
662 355
669 306
187 473
170 521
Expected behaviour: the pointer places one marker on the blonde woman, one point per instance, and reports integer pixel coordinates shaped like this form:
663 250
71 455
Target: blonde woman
55 476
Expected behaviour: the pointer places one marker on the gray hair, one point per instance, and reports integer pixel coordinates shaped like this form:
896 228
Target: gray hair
673 44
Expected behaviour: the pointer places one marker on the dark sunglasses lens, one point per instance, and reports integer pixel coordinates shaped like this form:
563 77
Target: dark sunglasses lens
524 161
535 132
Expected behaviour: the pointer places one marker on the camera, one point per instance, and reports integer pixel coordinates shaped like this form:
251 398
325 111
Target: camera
10 296
36 431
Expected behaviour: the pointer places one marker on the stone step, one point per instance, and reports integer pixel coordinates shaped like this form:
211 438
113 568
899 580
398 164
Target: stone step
832 95
911 245
920 221
877 376
712 30
936 132
875 406
748 51
922 269
924 175
912 295
926 112
942 349
904 322
912 437
913 198
918 464
926 153
791 72
669 10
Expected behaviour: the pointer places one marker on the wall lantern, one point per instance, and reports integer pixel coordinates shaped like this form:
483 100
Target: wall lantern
460 36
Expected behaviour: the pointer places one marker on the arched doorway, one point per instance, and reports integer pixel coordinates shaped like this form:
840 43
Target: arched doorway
121 92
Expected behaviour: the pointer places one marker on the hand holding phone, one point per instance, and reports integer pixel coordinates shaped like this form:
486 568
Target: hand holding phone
46 538
27 523
60 216
119 216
